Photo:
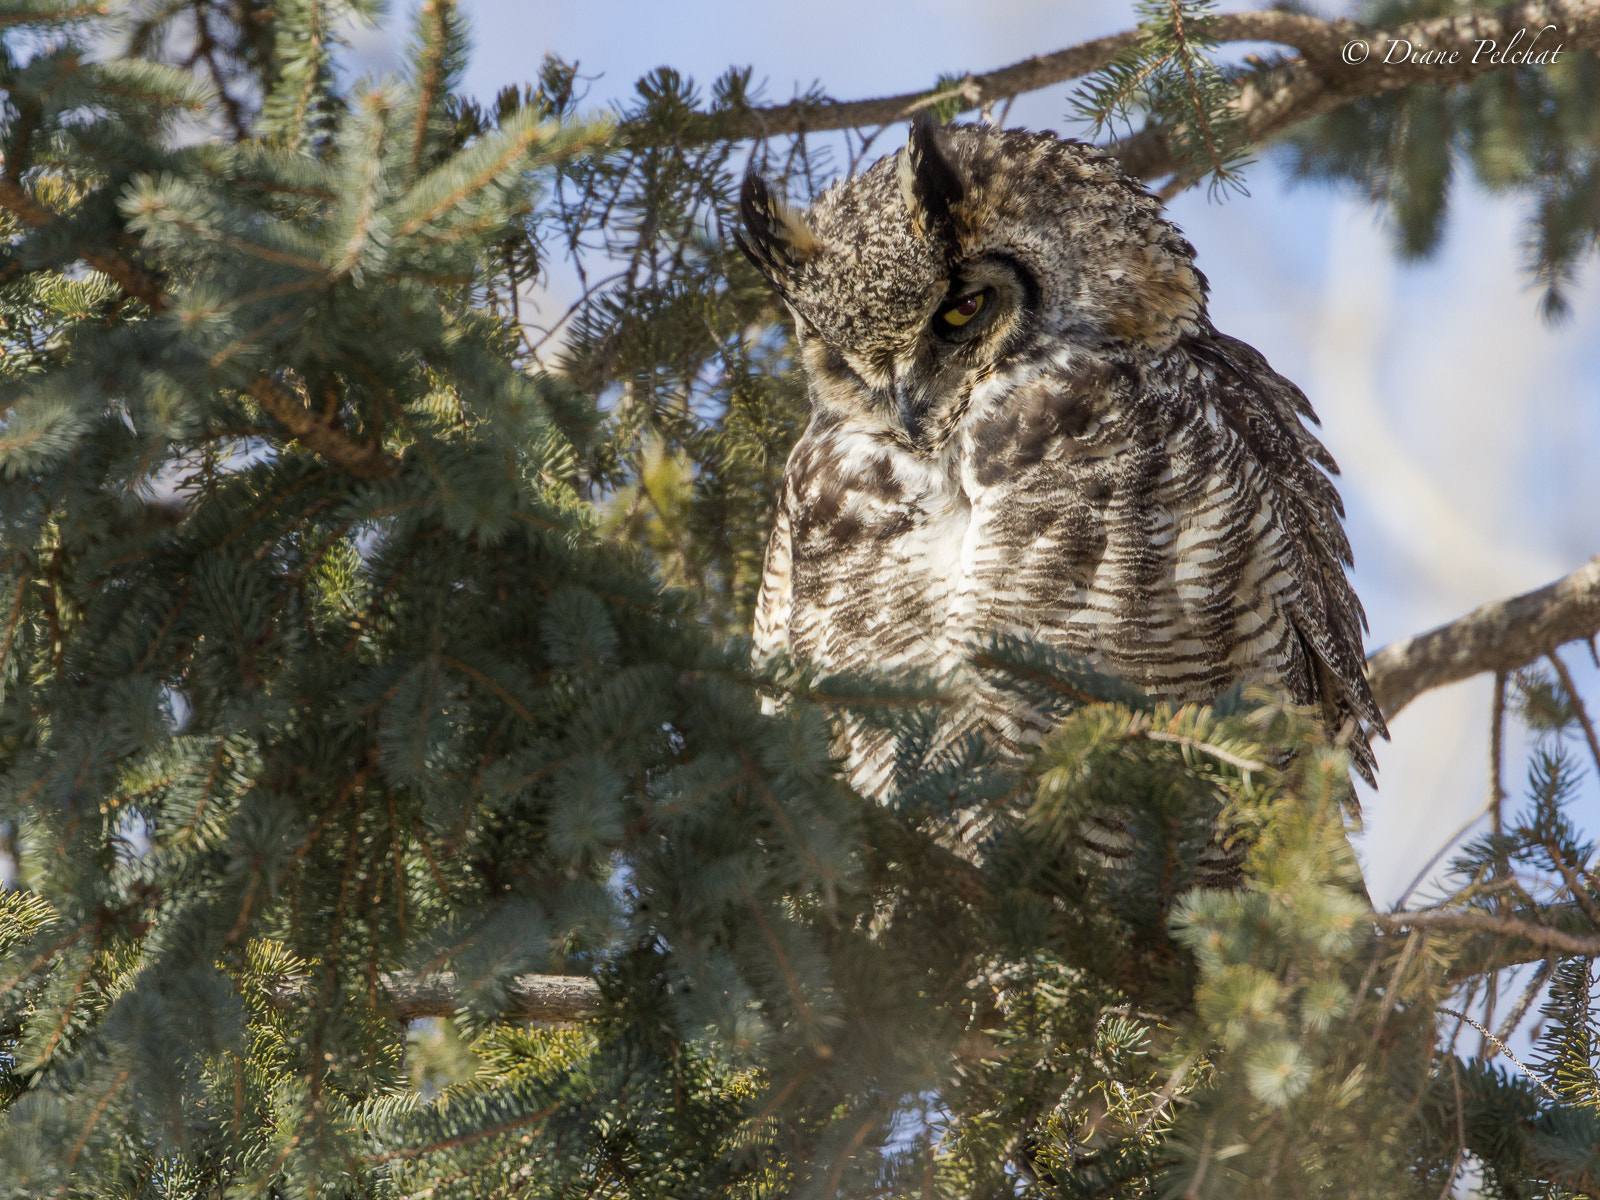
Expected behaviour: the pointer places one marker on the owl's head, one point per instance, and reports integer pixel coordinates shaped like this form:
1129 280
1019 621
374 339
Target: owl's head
970 254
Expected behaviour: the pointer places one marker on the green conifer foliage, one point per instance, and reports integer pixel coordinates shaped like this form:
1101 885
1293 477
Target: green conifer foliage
1531 131
360 658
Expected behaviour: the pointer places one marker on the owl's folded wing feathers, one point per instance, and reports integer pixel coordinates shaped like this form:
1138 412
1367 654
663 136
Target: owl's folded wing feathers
1269 414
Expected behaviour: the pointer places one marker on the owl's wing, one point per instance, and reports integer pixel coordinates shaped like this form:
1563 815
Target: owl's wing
1270 415
773 602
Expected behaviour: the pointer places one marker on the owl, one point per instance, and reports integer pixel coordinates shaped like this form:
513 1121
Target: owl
1024 423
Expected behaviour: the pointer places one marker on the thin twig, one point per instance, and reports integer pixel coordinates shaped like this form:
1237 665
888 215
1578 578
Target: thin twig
1165 1095
1497 737
1574 884
1461 1134
1577 706
1416 880
1520 1009
1501 1046
1491 996
1391 993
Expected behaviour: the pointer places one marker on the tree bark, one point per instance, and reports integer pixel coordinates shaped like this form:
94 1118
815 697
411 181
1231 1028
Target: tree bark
1549 937
1500 636
1339 61
321 433
408 997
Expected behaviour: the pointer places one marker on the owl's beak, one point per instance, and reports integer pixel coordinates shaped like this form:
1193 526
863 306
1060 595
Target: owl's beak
914 403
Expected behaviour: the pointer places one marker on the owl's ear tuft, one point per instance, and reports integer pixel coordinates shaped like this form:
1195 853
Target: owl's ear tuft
930 183
780 239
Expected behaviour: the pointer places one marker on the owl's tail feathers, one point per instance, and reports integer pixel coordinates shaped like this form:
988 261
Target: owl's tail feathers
1351 716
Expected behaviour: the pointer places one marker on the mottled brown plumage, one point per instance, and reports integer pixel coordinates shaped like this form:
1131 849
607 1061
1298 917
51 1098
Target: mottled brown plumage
1023 422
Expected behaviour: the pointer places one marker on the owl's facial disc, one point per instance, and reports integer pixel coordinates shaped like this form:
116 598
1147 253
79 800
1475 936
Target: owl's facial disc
983 316
911 383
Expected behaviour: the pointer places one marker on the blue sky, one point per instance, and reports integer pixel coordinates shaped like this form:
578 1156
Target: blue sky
1468 430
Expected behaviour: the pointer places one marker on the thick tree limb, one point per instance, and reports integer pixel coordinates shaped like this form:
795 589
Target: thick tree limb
532 997
815 116
1499 636
320 434
409 997
1272 100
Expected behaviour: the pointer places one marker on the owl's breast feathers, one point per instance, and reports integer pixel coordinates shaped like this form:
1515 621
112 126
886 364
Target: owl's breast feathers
1170 519
862 558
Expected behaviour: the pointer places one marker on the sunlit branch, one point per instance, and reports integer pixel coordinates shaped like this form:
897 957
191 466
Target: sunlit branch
409 997
1499 636
1338 61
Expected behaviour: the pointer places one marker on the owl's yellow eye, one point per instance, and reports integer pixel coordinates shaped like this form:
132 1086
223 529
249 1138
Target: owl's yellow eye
960 313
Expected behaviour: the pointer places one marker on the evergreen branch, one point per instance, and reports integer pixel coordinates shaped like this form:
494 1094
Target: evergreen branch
134 280
1539 935
496 160
1500 636
94 1119
465 1139
434 15
205 48
69 1009
1268 102
1581 894
505 696
874 1117
11 622
427 853
321 435
1185 59
250 338
365 208
1192 743
985 661
410 997
307 94
1578 709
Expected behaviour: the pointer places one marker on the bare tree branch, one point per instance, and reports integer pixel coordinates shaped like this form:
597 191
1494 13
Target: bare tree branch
1497 747
814 116
1578 708
409 997
1500 636
1539 935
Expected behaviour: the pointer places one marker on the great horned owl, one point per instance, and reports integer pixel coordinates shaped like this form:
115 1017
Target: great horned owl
1023 422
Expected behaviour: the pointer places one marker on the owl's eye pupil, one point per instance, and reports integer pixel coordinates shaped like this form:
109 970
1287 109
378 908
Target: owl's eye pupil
964 309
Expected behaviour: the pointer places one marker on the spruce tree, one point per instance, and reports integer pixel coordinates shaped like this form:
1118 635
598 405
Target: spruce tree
391 804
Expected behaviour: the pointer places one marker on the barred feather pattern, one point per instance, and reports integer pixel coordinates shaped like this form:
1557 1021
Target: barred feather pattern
1096 468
